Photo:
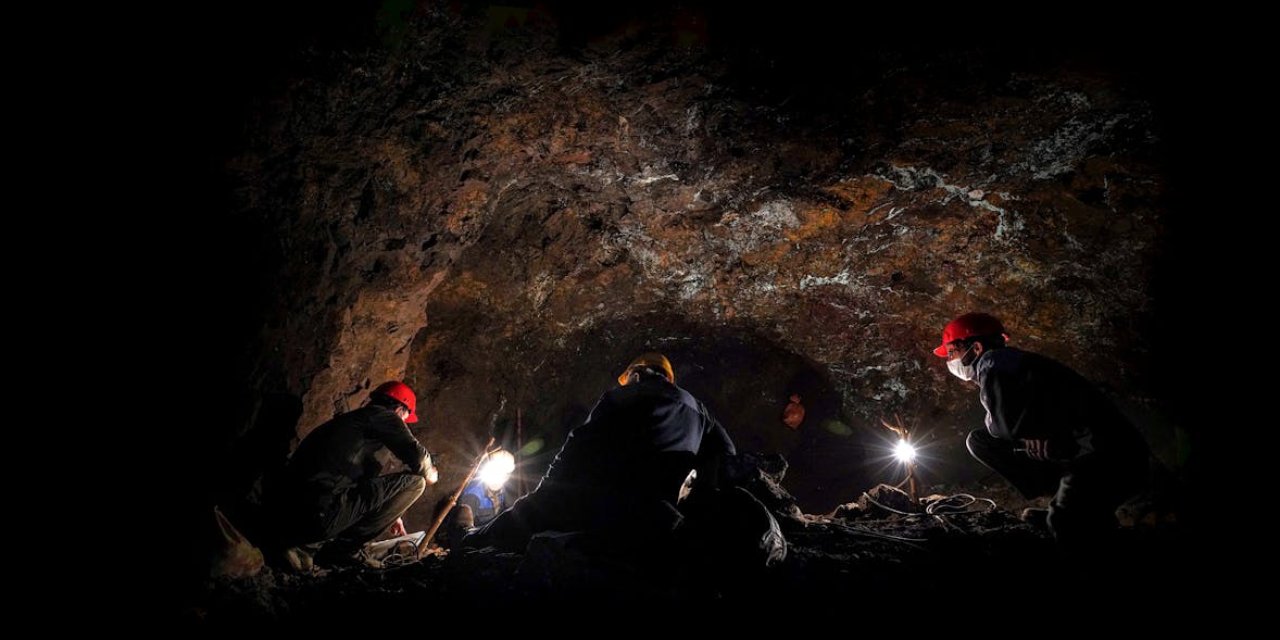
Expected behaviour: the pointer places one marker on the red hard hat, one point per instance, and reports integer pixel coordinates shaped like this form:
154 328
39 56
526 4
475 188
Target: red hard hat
967 326
400 392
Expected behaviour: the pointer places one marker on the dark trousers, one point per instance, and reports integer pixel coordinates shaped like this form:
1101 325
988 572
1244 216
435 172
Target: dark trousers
350 518
1086 490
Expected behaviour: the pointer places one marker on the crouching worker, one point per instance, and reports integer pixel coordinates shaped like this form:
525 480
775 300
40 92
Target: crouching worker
1048 431
619 473
334 497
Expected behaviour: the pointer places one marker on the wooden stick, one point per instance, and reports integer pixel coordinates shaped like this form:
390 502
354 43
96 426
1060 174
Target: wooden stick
453 500
519 449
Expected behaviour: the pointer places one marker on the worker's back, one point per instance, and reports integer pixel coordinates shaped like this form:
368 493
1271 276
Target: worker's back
341 452
640 438
1030 396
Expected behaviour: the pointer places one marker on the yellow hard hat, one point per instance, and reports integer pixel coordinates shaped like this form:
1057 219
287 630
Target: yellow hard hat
653 360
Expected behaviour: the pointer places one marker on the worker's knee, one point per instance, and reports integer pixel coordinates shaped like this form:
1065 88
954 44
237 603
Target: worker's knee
979 442
407 487
416 485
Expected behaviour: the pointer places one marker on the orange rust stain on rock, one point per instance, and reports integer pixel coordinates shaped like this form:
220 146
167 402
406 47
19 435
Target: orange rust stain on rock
861 194
815 221
399 161
468 200
575 157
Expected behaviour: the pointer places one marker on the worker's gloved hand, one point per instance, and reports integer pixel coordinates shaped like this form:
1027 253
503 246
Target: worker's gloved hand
1037 449
427 469
1059 450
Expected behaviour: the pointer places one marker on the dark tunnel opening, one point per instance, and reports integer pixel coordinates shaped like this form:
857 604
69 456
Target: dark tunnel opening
744 378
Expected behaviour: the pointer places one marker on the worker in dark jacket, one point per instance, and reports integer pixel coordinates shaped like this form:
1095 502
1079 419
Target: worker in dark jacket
622 470
1048 430
334 491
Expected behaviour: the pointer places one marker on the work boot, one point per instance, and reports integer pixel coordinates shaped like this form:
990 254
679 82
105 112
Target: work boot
1038 518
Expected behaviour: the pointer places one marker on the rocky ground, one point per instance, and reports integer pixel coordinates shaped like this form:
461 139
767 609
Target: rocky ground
858 563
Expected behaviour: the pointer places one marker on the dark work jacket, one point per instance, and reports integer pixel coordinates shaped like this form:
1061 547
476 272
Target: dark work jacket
1031 397
641 439
341 453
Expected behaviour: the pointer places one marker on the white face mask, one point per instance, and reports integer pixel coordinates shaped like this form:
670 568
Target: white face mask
959 369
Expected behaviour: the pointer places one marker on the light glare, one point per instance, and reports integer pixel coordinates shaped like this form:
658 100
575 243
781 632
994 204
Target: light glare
904 452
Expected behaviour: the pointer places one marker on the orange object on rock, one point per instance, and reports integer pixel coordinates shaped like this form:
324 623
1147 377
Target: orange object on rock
235 556
793 415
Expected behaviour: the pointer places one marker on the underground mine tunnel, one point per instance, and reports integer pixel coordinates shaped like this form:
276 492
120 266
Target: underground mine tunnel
503 205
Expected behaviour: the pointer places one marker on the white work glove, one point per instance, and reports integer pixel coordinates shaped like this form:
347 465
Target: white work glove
429 470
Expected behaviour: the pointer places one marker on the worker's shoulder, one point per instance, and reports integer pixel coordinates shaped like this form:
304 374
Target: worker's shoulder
1010 360
688 399
1002 360
652 390
370 415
